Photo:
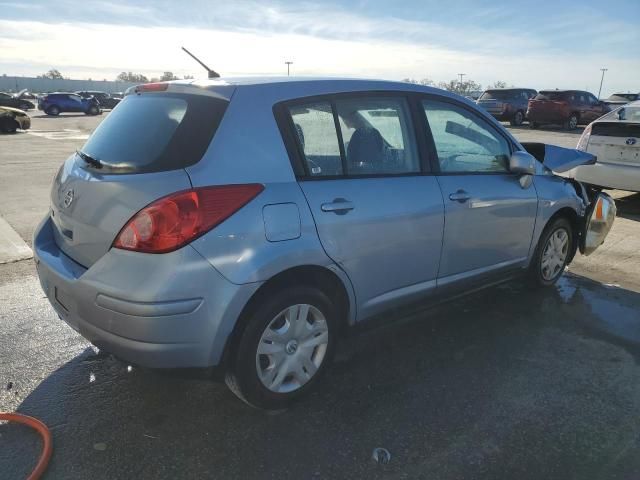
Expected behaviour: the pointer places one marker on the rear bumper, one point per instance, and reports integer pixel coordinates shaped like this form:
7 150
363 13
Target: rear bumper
499 115
159 311
546 117
608 175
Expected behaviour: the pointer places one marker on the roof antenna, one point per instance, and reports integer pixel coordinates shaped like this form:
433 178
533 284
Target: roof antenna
210 73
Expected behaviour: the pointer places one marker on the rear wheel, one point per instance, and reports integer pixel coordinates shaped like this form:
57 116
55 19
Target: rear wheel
93 110
572 122
284 348
533 125
517 119
552 253
53 110
24 106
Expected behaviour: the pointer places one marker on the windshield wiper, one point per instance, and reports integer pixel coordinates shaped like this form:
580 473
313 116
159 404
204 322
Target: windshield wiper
89 159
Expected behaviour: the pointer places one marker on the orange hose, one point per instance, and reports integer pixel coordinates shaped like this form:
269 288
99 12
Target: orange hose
41 428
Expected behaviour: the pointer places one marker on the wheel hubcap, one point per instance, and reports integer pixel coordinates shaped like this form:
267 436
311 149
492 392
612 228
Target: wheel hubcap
573 122
292 348
555 254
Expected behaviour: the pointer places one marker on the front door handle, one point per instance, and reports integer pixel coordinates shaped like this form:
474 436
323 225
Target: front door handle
460 196
339 206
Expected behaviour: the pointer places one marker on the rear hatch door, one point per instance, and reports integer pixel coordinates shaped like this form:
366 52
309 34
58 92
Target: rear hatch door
615 142
136 155
548 105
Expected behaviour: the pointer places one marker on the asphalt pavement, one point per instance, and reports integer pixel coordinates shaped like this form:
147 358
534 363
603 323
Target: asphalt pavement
507 383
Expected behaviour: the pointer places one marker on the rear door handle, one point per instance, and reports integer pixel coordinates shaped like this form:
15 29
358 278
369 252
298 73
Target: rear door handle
460 196
339 206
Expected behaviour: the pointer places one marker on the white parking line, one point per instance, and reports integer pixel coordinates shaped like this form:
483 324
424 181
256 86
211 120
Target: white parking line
12 247
65 134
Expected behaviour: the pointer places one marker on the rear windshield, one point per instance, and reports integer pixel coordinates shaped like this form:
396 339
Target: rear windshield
552 96
623 97
500 95
155 132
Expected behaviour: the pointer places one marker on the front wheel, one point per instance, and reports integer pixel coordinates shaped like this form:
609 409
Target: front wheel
552 253
53 110
533 125
286 345
8 125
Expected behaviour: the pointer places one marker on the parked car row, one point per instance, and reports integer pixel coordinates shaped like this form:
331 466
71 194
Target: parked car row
568 108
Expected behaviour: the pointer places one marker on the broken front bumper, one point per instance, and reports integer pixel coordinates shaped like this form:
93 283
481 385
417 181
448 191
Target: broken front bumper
601 214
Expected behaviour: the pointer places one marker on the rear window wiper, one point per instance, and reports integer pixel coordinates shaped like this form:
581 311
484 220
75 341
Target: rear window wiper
94 162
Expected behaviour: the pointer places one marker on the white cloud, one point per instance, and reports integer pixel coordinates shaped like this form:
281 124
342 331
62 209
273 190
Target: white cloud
371 48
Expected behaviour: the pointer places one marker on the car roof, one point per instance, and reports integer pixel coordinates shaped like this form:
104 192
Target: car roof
285 88
505 89
563 91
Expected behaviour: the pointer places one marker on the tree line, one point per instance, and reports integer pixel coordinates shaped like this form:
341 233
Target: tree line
462 88
55 74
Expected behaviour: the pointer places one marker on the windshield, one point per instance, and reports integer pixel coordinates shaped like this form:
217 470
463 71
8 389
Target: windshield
155 132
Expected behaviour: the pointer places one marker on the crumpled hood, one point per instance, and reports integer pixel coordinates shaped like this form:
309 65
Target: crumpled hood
559 159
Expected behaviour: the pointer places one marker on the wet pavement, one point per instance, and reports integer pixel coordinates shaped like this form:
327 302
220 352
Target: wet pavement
507 383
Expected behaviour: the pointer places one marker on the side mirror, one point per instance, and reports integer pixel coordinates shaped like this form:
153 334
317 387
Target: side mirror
522 163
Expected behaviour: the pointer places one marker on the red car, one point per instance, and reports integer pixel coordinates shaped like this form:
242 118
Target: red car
564 107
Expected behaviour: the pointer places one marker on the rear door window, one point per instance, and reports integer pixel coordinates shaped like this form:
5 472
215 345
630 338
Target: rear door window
378 136
362 136
155 132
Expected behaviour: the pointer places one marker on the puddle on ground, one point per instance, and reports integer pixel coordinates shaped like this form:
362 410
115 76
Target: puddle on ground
604 309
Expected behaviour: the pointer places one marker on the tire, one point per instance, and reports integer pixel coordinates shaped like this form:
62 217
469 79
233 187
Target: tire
93 110
533 125
572 122
8 125
517 119
53 110
283 345
24 106
552 253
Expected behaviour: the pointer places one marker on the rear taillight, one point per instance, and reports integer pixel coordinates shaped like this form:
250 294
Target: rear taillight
175 220
583 143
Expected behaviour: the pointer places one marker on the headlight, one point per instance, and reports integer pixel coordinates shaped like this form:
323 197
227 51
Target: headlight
584 139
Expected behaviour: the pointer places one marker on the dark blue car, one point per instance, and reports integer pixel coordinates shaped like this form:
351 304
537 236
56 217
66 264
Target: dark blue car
56 103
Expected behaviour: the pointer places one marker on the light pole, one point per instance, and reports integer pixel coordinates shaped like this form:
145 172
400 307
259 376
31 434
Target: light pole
461 75
288 63
601 80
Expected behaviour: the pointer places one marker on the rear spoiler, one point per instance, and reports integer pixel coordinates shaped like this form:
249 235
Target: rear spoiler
558 159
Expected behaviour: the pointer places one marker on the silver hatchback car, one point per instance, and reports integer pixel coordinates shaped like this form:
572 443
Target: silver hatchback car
247 222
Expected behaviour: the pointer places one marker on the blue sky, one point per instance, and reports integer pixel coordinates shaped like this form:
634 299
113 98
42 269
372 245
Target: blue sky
543 45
